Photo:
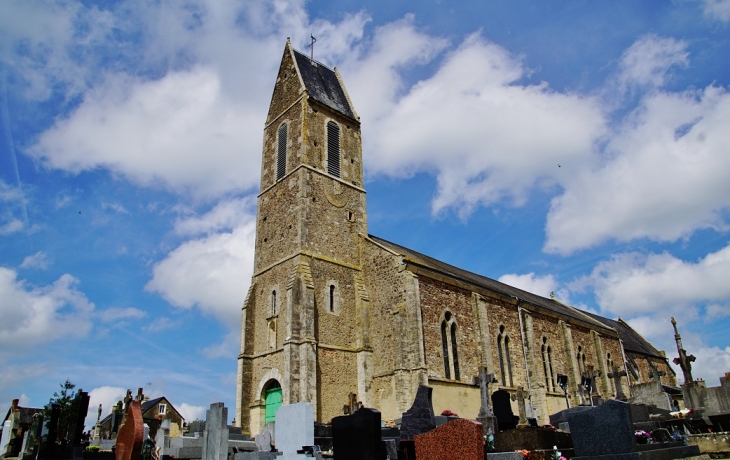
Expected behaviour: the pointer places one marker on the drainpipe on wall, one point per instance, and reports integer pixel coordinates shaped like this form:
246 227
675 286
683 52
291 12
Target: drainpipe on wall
524 356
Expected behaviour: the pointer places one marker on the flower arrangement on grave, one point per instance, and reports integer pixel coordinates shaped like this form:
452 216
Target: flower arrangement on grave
489 440
93 448
526 454
548 426
679 436
556 455
642 437
449 413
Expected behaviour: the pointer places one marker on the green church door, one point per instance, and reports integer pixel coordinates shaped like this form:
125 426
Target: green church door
273 402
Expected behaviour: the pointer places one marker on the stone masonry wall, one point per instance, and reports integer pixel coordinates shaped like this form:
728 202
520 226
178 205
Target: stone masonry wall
334 216
437 298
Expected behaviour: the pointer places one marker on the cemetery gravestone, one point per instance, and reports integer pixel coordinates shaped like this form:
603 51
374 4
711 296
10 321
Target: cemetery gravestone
506 420
486 416
520 398
461 438
263 441
357 436
419 418
130 437
294 428
215 436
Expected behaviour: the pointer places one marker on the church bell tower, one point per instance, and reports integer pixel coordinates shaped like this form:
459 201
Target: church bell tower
305 322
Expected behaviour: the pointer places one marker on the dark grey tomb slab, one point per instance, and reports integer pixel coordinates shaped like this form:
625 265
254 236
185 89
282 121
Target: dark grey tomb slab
357 436
419 418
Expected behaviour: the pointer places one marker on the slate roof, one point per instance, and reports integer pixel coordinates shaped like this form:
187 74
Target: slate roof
323 85
633 341
26 414
418 259
150 403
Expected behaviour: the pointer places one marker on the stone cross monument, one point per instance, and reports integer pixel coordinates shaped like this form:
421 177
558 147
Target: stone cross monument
684 361
486 416
616 375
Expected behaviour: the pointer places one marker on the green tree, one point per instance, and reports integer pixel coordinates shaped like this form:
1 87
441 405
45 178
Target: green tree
66 398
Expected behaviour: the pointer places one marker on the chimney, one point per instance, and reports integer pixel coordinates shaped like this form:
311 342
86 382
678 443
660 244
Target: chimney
15 404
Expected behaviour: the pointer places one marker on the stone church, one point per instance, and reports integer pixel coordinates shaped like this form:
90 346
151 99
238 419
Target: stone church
334 311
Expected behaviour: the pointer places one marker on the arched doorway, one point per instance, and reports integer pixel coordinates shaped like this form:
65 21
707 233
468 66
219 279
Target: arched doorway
272 397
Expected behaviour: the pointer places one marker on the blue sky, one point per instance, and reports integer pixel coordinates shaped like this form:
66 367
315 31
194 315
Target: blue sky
575 147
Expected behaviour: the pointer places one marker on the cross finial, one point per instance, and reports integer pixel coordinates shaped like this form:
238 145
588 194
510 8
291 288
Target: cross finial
311 45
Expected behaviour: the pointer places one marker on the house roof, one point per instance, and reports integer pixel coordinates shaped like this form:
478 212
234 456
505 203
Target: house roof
26 414
633 341
150 403
323 85
416 258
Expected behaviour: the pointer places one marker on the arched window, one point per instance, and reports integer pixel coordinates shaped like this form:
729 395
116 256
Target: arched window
281 153
581 361
333 149
609 368
273 302
547 365
509 361
445 343
505 362
450 348
331 297
454 351
502 374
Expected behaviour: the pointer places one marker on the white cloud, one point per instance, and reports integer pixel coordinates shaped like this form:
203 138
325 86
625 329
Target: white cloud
636 284
118 207
196 121
717 9
161 324
13 226
540 285
178 131
191 412
115 314
648 60
106 396
485 136
664 177
225 215
38 260
229 347
32 315
211 272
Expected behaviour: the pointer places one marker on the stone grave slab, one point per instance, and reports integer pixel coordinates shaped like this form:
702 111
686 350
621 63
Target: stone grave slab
559 417
419 418
131 434
506 419
606 432
263 441
461 438
294 428
357 436
531 439
215 436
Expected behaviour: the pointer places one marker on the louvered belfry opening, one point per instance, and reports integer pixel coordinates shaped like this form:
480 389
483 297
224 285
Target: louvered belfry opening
333 149
281 153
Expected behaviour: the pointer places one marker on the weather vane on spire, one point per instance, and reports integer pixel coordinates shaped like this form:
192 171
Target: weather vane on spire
314 40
